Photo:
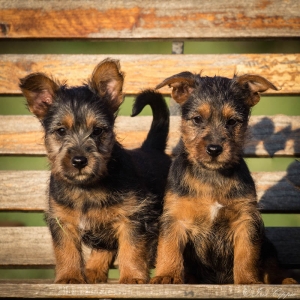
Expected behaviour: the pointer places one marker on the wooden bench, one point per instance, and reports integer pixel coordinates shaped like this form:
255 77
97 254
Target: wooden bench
173 21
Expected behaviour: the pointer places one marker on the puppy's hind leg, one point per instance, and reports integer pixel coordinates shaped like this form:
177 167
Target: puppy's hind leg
97 266
272 272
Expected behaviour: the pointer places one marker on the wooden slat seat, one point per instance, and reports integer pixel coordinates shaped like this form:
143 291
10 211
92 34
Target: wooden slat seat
270 136
26 191
38 238
146 71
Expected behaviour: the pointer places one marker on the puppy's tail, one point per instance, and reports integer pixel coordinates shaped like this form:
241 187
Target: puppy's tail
158 134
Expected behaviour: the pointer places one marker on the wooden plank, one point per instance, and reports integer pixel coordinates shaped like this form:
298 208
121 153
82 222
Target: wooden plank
273 187
27 190
31 247
26 247
146 71
271 136
149 19
149 291
22 135
24 190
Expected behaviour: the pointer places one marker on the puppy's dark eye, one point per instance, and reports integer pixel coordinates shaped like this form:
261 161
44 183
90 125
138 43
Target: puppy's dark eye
61 131
231 122
197 120
97 131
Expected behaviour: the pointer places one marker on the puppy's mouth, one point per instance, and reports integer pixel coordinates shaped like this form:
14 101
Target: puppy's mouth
80 177
220 162
212 163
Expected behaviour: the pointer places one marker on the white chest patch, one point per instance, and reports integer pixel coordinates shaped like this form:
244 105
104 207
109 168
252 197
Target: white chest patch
82 224
214 209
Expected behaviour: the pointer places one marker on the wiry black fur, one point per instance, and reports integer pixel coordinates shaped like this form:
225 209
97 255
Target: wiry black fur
157 136
154 172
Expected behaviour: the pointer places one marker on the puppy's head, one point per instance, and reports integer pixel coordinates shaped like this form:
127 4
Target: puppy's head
215 112
78 121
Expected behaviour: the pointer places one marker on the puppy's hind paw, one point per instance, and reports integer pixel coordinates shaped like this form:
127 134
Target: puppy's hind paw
289 281
70 281
166 280
94 276
127 280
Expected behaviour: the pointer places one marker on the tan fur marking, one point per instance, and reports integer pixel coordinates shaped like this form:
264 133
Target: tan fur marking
68 120
204 110
228 111
90 120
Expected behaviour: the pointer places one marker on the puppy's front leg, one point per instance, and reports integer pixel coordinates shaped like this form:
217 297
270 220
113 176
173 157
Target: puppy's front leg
169 264
247 246
132 257
67 250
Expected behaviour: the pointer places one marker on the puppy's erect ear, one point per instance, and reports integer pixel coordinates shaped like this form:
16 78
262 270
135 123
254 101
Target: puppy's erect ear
256 84
183 85
39 91
107 80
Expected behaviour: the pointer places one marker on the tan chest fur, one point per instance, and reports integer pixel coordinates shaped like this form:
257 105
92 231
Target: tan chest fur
116 215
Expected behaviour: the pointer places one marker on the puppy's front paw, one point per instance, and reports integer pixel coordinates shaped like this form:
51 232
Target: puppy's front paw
166 280
128 280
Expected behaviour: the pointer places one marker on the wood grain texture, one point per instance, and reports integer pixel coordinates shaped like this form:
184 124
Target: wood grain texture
31 247
27 190
149 19
269 136
149 291
24 190
26 247
147 71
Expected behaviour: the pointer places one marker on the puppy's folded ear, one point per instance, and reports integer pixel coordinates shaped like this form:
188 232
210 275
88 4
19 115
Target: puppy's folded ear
256 84
183 85
39 91
107 80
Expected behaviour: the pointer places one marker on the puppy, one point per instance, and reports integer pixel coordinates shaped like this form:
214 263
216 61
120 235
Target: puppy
100 195
211 229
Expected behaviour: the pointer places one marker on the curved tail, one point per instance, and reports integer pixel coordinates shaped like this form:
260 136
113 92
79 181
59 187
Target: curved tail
158 133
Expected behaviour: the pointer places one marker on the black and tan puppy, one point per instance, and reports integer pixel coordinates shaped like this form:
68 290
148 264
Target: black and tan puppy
211 229
100 195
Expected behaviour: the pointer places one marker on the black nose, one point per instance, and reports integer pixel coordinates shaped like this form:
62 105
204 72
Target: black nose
79 162
214 150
